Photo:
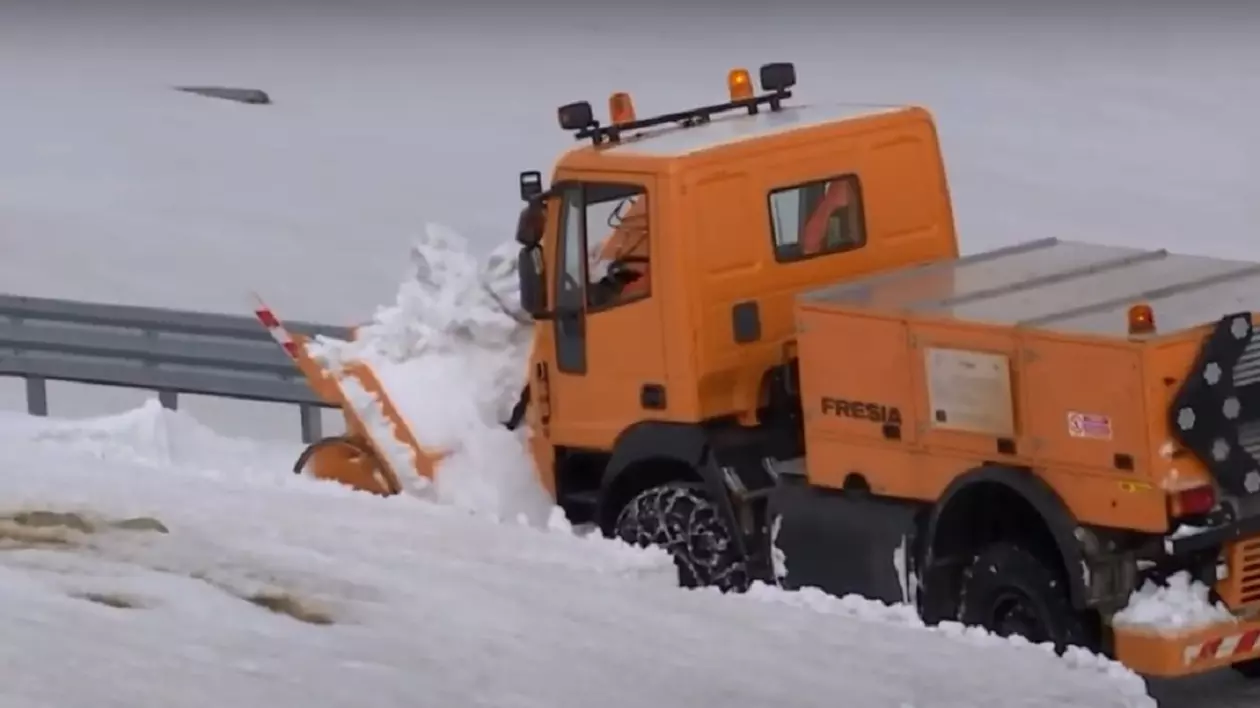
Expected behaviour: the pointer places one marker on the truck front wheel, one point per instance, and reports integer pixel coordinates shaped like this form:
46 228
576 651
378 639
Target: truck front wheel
1010 591
681 519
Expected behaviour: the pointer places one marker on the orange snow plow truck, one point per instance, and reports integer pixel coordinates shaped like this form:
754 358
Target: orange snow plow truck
781 369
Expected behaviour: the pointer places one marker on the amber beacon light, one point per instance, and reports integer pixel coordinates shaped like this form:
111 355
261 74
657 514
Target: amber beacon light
739 82
1141 319
621 108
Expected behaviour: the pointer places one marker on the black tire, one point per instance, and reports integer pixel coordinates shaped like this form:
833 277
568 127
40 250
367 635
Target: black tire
1008 590
681 519
1248 669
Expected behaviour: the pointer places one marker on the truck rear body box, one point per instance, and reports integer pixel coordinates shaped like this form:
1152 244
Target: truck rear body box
1023 356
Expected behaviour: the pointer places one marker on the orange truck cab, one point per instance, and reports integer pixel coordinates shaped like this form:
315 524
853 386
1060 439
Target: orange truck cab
785 371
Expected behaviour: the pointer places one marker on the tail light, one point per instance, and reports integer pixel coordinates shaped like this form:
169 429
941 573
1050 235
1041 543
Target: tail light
1194 501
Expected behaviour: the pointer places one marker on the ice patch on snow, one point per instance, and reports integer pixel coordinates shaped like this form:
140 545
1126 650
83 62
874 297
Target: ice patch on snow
1180 605
452 354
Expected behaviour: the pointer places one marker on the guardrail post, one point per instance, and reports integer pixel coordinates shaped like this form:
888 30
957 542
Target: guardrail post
312 423
36 395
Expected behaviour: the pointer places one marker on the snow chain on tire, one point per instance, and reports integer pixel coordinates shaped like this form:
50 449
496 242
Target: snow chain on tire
681 519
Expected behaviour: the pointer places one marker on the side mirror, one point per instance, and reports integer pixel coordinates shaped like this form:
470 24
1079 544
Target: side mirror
533 284
529 226
531 185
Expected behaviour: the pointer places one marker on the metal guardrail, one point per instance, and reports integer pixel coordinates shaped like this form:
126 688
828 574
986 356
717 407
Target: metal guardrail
171 352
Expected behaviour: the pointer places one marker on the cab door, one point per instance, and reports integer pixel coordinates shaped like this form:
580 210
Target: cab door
609 350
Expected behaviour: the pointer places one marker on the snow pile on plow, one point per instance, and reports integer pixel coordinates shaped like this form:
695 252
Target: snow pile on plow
1180 605
451 356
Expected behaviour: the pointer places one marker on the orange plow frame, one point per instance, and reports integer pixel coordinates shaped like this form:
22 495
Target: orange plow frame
354 459
1194 652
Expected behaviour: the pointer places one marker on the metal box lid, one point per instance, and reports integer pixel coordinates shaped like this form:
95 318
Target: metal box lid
1063 286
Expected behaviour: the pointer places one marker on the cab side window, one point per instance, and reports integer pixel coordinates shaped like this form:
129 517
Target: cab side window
618 241
817 218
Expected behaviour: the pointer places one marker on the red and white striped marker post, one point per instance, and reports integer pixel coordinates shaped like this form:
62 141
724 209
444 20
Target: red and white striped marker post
276 328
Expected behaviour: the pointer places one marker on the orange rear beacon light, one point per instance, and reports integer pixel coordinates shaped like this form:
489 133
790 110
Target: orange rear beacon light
1141 319
621 108
739 82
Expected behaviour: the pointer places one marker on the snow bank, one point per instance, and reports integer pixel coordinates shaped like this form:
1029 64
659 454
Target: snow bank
143 454
154 438
1180 605
902 615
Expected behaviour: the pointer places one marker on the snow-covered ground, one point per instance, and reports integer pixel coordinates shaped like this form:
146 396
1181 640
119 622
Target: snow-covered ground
145 561
1115 128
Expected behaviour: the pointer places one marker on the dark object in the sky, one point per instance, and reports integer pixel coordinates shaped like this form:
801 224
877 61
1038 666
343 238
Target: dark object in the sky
240 95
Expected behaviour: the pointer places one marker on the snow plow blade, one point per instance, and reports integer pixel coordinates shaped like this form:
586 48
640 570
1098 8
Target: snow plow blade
1196 651
377 441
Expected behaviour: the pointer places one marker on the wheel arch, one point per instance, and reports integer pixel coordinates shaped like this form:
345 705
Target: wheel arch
645 455
651 453
1010 501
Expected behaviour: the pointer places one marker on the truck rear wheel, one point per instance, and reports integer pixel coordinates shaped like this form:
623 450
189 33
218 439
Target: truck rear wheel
681 519
1010 591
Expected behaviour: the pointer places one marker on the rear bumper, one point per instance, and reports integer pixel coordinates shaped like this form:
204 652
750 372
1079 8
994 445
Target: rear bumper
1194 652
1213 538
1233 554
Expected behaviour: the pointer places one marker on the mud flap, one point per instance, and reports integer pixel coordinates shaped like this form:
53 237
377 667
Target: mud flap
843 543
737 505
